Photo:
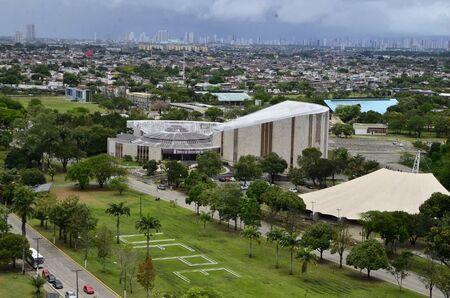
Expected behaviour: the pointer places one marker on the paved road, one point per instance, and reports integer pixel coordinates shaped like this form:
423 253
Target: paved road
61 265
411 282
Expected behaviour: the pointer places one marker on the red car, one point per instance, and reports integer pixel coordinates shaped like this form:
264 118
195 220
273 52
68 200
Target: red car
45 273
88 289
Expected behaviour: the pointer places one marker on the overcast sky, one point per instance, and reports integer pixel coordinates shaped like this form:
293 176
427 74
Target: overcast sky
248 18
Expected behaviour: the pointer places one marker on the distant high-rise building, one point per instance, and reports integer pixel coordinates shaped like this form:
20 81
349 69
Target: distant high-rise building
191 37
162 36
19 37
31 32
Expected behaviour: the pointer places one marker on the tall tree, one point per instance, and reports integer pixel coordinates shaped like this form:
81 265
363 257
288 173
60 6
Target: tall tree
256 189
145 225
119 183
145 275
247 168
369 255
118 210
103 243
195 196
273 165
252 234
176 172
209 163
291 241
23 204
38 282
399 267
341 240
318 237
205 217
275 236
307 257
250 212
103 167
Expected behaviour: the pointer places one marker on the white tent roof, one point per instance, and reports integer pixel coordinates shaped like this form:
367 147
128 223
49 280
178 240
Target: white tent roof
283 110
383 190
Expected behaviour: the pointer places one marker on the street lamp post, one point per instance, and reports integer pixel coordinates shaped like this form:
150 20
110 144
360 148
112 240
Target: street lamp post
76 274
140 206
339 211
312 209
37 249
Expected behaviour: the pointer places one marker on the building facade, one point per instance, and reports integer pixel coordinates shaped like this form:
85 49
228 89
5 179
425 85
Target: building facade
164 140
367 129
286 128
79 94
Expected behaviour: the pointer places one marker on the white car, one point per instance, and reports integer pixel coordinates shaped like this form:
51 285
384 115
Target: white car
293 189
70 294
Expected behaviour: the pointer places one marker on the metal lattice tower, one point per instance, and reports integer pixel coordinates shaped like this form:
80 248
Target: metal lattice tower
416 166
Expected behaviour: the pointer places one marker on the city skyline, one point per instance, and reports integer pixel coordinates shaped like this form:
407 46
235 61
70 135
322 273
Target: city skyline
265 19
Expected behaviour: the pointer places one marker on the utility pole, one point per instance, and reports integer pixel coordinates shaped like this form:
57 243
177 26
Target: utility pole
37 249
312 209
140 206
339 210
76 274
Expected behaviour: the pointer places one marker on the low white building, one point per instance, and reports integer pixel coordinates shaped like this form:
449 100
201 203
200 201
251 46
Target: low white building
79 94
366 129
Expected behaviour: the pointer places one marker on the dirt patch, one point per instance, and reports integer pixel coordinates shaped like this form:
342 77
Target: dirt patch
84 195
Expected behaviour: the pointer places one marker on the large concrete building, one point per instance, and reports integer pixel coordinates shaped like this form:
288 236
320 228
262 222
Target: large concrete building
285 128
158 140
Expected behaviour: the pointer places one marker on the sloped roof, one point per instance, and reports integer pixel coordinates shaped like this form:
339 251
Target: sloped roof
284 110
382 190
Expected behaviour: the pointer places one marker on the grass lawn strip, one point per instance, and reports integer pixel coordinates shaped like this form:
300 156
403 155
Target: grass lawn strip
184 259
258 277
204 272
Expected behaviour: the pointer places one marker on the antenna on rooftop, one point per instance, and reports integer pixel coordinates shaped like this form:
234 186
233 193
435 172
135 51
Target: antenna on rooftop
416 166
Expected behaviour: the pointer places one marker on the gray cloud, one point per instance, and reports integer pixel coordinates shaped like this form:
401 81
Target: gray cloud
360 17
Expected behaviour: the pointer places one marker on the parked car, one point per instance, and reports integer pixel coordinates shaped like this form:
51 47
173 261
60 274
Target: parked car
227 179
293 189
51 278
161 187
58 284
45 273
70 294
88 289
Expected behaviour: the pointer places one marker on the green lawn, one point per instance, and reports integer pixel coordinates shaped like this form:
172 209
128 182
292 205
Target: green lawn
14 284
257 278
58 102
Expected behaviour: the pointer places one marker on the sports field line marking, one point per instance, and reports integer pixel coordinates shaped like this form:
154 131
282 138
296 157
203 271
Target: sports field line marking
163 246
134 235
204 272
151 241
184 259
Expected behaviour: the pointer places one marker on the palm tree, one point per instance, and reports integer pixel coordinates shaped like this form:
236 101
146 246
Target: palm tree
145 224
292 241
205 217
38 282
306 256
251 233
23 201
275 236
118 210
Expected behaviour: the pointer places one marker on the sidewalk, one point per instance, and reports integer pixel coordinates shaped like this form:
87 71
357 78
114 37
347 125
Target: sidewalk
411 282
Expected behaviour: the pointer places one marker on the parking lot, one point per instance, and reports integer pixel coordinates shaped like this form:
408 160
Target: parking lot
374 148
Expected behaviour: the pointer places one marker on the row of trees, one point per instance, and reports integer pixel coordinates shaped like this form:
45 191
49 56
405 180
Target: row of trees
432 224
42 135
